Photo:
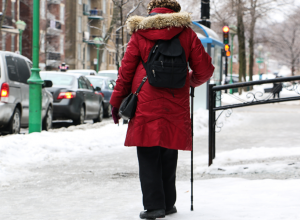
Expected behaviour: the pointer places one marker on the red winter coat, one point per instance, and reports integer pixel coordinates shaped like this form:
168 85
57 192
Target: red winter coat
162 116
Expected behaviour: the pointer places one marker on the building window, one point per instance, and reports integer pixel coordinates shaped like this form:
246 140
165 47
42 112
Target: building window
88 57
103 30
79 24
42 9
80 2
103 56
42 36
104 6
62 13
13 10
12 43
3 5
3 41
62 45
79 51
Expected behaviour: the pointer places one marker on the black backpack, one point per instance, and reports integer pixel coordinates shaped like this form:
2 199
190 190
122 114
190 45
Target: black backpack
166 66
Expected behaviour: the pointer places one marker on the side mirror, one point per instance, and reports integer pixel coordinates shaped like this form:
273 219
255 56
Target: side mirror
98 89
47 84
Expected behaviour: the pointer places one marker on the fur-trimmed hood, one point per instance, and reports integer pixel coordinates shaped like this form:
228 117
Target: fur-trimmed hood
159 21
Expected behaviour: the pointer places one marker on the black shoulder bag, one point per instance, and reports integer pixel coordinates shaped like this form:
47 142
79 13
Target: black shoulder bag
128 106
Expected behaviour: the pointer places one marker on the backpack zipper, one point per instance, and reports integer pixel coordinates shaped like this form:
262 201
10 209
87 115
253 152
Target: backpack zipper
155 48
153 71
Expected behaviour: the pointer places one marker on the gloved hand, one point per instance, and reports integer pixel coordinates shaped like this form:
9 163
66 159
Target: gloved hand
115 115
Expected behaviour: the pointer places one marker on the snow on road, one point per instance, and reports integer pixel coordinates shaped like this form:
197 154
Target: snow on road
85 172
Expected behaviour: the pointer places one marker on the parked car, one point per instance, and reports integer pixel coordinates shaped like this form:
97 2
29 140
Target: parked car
83 72
14 95
109 73
74 97
107 87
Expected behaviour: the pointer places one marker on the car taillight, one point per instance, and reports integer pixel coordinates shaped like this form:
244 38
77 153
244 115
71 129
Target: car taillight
66 95
99 93
4 90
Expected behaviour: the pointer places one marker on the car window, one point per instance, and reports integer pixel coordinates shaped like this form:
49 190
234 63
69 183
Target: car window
82 84
23 70
97 82
111 75
89 84
58 79
11 68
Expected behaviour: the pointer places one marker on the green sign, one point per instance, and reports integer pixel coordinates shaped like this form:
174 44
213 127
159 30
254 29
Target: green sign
259 60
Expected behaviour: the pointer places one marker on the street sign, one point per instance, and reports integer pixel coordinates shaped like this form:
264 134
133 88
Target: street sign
259 60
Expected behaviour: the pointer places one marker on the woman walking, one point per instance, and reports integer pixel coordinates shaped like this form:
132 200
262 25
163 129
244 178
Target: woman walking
161 125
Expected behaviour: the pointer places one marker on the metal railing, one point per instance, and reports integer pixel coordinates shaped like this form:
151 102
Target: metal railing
251 98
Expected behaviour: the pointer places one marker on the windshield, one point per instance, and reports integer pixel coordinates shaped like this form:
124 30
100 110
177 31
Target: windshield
111 75
58 79
97 82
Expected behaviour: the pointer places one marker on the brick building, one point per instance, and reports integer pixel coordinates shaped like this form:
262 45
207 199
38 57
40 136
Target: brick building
52 32
86 20
9 34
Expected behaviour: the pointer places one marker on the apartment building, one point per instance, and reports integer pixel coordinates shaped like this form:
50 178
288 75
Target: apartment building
9 36
85 21
52 32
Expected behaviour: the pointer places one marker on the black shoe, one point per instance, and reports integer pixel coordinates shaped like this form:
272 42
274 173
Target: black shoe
159 213
171 211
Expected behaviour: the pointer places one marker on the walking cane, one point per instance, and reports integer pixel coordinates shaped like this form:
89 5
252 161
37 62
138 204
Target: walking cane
192 156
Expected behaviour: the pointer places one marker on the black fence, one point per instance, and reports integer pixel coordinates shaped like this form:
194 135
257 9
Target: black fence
250 98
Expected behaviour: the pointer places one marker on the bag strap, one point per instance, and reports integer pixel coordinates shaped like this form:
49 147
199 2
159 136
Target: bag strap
139 89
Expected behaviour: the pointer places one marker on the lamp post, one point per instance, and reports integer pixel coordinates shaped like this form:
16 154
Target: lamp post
232 32
21 25
35 82
259 48
97 42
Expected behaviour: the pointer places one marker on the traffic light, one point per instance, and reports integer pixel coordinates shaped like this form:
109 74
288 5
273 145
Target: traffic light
227 50
226 35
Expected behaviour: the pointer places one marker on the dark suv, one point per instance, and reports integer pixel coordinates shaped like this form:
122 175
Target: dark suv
14 94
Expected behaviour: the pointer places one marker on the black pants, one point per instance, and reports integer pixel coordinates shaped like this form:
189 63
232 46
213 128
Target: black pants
157 167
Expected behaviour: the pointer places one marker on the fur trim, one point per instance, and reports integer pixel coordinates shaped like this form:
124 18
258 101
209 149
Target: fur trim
159 21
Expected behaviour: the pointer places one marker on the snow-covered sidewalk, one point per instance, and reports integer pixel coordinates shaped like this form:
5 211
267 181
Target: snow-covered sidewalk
85 172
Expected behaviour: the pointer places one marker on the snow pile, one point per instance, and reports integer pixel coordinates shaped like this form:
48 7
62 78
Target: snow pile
16 151
252 161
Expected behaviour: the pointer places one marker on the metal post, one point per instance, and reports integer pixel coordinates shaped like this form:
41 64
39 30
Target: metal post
98 56
211 125
192 153
35 82
20 41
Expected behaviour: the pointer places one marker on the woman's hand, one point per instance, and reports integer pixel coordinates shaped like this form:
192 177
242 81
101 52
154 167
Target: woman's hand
115 115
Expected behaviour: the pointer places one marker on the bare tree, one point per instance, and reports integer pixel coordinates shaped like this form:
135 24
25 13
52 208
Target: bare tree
284 40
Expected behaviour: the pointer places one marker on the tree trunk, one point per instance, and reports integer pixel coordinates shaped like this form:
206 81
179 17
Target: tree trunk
251 39
241 39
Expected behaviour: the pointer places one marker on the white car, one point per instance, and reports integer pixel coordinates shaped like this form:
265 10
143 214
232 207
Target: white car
109 73
84 72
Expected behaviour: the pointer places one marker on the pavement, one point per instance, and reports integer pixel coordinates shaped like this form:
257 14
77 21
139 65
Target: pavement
75 184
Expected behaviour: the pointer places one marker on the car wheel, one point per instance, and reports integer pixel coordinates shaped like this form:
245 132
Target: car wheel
81 118
108 111
47 122
15 123
100 116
